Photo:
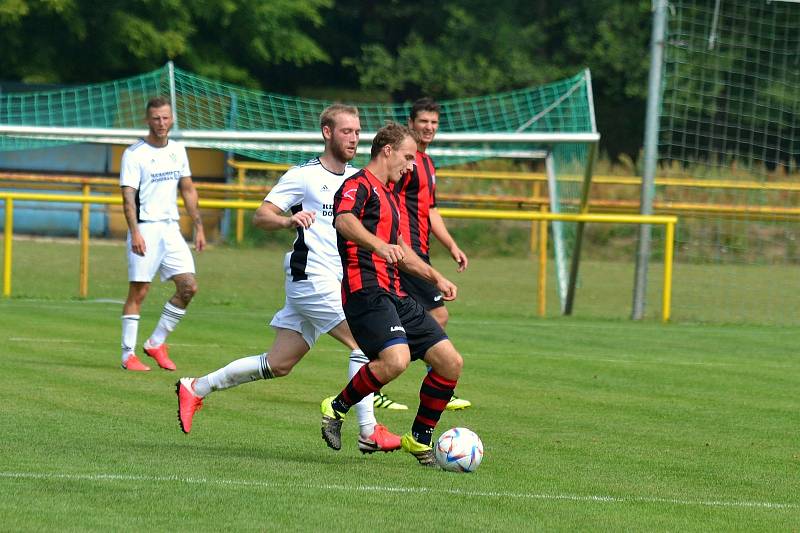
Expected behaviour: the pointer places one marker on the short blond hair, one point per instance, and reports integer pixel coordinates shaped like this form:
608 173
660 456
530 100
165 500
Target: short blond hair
328 115
392 134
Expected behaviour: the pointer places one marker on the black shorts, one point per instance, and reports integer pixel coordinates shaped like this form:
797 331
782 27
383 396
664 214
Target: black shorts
378 318
422 291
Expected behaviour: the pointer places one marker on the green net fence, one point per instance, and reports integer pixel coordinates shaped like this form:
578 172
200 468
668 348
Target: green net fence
117 104
204 104
730 111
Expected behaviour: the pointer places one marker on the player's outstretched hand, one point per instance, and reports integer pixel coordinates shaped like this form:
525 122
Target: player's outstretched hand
303 219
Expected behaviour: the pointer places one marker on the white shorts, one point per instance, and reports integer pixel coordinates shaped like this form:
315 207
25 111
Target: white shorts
312 308
166 252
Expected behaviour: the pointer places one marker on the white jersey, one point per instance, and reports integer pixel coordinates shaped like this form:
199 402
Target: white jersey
154 173
310 187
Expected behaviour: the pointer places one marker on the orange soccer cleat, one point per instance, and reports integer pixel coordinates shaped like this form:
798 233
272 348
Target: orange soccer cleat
160 354
188 403
381 440
133 364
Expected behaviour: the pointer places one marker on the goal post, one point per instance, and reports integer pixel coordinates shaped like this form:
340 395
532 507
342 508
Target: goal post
728 108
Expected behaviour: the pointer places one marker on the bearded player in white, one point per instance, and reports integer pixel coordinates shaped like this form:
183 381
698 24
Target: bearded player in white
153 170
313 303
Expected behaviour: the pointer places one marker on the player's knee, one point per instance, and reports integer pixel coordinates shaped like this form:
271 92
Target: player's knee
187 290
280 369
137 292
396 366
447 363
441 315
136 299
457 363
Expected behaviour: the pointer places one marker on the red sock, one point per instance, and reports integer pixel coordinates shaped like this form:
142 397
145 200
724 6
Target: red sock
434 394
362 384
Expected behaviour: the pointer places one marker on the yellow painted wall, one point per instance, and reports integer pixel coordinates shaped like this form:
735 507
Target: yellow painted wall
204 163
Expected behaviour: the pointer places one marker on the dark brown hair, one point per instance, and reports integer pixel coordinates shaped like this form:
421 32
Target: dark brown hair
156 102
424 104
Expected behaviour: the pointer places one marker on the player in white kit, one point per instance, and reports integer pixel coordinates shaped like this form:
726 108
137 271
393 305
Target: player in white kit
313 268
153 170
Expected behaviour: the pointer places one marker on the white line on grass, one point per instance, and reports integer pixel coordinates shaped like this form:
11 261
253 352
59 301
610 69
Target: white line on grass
410 490
589 358
94 341
606 324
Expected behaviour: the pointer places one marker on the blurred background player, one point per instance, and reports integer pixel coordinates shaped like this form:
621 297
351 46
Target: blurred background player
419 217
391 328
153 170
313 303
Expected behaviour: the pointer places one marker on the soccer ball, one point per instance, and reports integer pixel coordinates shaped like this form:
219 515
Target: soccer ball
459 450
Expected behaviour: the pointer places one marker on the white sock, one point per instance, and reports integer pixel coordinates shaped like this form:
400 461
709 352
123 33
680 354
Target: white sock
365 410
242 370
130 329
170 316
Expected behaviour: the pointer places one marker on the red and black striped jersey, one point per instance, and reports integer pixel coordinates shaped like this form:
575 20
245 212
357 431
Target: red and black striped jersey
375 206
417 193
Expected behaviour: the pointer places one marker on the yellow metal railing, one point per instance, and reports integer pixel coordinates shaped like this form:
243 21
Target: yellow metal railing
537 199
9 233
596 179
666 220
534 216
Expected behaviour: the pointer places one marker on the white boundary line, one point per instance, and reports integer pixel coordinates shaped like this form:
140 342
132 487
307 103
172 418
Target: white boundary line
95 341
410 490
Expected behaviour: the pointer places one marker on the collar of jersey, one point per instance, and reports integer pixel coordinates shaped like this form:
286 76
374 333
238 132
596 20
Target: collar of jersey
373 178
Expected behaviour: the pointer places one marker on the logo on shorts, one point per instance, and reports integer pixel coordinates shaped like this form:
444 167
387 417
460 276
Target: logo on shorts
437 297
396 328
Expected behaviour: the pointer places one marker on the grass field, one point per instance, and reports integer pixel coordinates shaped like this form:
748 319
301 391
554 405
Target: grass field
589 423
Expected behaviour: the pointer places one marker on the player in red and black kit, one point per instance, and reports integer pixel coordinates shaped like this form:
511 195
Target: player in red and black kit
419 217
391 328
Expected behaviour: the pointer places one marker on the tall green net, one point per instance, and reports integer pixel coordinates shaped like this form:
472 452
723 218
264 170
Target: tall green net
208 105
117 104
230 113
730 112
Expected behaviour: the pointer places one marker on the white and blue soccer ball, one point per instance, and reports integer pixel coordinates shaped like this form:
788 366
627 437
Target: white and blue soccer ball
459 450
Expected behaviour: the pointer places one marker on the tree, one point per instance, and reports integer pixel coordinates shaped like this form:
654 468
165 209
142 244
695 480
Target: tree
396 49
76 41
471 47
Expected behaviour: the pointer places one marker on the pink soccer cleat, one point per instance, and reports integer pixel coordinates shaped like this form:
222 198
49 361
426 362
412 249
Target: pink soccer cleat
133 364
160 354
188 403
381 440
